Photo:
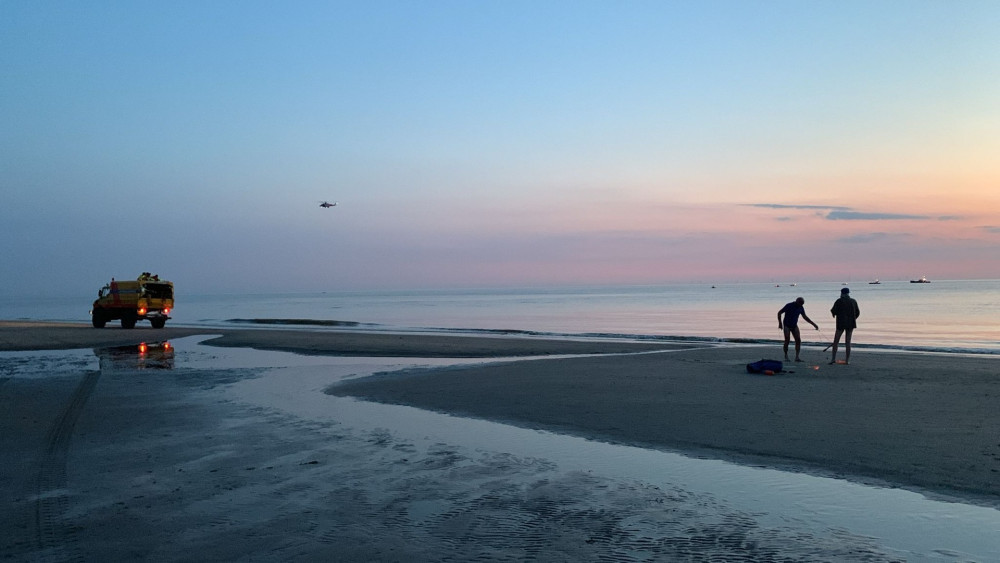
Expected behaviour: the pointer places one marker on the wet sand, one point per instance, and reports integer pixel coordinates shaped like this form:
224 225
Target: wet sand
915 420
920 421
164 462
18 335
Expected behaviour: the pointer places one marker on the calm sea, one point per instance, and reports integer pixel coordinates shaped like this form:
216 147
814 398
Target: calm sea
952 316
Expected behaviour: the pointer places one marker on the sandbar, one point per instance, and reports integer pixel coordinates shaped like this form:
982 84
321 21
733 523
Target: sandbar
27 335
921 421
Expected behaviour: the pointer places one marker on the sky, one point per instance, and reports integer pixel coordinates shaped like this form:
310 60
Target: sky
497 143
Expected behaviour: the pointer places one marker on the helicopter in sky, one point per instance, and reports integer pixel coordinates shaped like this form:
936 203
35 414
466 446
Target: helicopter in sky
327 204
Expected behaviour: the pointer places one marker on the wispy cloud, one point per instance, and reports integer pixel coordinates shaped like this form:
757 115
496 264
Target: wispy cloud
808 207
862 216
991 229
869 237
841 213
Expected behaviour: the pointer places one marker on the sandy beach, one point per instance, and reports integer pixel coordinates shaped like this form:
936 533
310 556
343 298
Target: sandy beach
16 335
98 456
911 420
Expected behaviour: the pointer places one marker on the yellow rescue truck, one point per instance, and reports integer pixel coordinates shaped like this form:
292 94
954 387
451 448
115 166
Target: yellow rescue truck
145 299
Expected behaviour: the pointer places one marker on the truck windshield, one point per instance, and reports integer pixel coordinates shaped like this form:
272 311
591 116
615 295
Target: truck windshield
159 291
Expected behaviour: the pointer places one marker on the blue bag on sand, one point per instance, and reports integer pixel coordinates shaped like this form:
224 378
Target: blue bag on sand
773 366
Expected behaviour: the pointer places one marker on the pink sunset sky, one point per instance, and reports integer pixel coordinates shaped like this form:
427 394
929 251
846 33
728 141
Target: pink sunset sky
499 144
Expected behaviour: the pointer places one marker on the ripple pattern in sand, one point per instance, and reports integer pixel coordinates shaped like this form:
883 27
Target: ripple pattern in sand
444 504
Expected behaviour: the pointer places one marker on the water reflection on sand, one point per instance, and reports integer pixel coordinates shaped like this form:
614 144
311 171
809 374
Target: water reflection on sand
469 489
706 496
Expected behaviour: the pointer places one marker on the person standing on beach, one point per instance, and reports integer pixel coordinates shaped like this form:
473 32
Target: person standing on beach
790 324
846 311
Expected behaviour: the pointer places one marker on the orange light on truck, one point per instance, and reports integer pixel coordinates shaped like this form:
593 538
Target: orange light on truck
166 310
142 310
142 349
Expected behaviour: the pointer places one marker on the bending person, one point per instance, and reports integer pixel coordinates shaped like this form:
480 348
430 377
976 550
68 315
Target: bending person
790 324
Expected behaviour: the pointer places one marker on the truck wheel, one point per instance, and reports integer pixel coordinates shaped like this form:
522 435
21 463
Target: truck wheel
97 319
128 321
158 323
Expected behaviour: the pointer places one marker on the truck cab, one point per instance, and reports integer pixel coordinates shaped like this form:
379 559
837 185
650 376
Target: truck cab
147 298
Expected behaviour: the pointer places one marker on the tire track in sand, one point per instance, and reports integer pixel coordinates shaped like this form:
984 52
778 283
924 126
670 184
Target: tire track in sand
54 538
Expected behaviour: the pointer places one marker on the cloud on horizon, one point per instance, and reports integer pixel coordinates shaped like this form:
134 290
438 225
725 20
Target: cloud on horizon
862 216
991 229
870 237
808 207
840 213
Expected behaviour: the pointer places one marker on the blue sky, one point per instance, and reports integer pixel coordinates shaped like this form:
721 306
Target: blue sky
498 143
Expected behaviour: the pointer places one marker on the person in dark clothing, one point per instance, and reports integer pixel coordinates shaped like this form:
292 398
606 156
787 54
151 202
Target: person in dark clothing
846 311
790 324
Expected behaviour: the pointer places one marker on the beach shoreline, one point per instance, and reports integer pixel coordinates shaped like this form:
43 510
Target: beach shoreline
916 421
920 421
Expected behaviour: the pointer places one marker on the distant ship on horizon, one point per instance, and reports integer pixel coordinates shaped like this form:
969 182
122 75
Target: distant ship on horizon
923 279
874 282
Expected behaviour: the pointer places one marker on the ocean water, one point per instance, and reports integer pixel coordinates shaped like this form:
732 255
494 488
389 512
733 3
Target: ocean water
944 315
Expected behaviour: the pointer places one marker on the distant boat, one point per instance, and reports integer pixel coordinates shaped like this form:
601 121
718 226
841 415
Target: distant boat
923 279
874 282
